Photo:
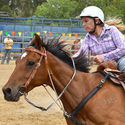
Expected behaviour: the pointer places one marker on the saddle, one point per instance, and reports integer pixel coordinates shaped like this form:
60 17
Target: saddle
115 75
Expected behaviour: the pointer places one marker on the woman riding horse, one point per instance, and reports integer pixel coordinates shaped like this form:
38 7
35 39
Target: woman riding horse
105 42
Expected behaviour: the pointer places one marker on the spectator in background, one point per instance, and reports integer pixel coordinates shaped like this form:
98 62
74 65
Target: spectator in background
8 42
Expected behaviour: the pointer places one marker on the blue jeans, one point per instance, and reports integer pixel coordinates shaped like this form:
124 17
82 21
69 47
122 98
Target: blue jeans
6 55
121 64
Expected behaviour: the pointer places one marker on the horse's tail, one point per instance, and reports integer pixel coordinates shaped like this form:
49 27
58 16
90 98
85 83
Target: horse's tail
117 22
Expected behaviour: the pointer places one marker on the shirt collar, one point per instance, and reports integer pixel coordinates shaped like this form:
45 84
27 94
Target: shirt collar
105 27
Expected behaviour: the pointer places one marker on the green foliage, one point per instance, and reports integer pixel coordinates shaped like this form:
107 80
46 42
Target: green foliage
24 8
3 3
111 8
6 8
57 9
112 11
61 8
72 8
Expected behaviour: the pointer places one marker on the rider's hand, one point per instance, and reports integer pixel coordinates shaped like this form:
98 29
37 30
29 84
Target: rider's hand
98 59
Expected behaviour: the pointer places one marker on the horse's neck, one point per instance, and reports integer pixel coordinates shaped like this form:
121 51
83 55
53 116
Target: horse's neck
61 72
61 75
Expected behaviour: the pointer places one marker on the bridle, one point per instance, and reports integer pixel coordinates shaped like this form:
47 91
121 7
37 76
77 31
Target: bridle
44 54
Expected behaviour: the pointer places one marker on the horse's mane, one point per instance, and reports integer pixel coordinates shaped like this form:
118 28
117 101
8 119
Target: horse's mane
117 22
57 48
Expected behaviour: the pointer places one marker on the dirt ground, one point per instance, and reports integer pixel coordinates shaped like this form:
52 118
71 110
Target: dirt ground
22 113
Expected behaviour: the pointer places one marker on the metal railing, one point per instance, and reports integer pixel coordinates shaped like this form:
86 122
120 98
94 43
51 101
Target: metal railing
41 24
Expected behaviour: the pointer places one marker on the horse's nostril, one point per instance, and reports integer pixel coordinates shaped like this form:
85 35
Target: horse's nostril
7 91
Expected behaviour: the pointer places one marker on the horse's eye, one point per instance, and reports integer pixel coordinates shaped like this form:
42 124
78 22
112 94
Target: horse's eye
30 63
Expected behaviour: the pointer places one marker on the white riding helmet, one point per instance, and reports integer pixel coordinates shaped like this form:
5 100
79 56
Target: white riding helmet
93 11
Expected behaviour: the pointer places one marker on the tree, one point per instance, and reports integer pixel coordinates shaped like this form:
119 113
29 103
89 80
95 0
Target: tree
111 8
72 8
3 3
37 3
61 8
25 8
6 8
57 9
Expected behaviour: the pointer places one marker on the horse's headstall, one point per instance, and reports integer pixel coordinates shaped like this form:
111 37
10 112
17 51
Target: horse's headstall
36 50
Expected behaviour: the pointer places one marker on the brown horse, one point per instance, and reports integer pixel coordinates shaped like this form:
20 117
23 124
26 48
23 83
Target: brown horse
46 63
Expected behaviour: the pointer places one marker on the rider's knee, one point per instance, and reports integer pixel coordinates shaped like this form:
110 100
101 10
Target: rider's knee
121 64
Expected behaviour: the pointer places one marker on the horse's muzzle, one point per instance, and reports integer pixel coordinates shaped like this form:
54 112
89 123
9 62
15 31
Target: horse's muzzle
10 95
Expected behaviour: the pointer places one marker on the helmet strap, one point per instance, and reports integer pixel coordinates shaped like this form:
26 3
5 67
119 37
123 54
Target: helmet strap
91 32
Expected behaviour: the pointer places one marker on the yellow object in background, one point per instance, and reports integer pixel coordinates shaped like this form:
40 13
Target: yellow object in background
8 43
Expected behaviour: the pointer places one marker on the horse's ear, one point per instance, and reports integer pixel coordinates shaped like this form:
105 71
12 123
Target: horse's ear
36 42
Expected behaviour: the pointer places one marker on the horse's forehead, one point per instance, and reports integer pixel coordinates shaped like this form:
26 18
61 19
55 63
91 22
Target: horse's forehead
24 55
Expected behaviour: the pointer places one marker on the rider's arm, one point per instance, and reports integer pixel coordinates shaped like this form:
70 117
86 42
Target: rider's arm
119 41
